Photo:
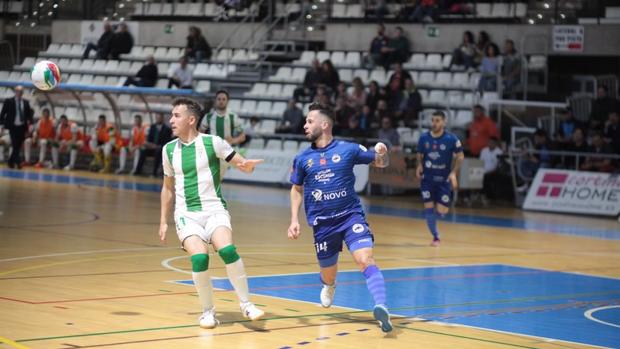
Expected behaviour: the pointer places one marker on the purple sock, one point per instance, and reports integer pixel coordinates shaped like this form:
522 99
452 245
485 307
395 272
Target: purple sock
376 284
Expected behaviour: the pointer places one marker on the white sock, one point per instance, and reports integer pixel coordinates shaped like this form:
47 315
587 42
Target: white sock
239 280
28 149
136 160
73 157
202 281
42 149
122 159
55 156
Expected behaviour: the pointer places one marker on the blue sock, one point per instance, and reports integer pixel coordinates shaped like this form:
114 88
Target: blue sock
431 221
375 284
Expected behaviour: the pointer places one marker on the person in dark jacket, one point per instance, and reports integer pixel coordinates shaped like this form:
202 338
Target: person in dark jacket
16 116
103 44
146 76
122 42
197 48
159 134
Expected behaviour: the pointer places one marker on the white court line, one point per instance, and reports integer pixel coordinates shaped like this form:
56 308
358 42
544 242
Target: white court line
86 252
565 272
588 315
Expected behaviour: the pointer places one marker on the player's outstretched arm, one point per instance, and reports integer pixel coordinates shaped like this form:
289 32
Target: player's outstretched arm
243 164
382 157
167 197
296 199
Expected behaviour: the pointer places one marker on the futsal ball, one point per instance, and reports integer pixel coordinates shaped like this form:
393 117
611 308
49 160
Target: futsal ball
45 75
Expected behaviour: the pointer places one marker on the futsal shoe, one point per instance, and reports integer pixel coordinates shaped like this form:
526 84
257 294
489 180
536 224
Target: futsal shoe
435 242
382 315
250 311
327 295
208 320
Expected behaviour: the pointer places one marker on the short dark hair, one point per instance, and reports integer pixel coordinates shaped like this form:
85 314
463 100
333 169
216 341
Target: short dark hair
440 114
193 108
324 110
478 106
102 116
138 116
63 116
224 92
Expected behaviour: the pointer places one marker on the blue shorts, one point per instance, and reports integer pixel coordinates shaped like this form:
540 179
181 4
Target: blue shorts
436 192
328 236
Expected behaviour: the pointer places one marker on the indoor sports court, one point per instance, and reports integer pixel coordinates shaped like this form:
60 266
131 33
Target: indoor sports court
276 174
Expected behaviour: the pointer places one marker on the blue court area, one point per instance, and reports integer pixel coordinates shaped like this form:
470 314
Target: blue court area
495 297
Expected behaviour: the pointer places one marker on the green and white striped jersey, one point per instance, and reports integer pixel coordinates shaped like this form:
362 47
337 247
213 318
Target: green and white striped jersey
223 126
196 171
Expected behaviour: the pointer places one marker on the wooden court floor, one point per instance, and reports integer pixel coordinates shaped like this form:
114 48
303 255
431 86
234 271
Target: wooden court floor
81 267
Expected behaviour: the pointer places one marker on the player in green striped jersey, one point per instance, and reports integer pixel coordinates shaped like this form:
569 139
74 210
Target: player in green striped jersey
192 181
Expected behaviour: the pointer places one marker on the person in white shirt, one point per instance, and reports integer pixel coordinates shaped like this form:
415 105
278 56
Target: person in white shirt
180 75
490 158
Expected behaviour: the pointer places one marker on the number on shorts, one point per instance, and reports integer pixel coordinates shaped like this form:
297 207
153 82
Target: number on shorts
321 246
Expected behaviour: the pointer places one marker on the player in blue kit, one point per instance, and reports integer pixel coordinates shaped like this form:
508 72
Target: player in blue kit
322 176
439 156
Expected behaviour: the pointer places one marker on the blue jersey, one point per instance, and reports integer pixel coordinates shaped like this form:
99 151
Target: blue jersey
328 180
437 154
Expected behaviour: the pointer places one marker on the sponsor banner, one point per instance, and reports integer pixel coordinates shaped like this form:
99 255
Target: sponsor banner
575 192
568 38
92 30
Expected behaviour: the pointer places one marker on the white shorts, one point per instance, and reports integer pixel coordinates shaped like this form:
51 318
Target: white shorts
200 224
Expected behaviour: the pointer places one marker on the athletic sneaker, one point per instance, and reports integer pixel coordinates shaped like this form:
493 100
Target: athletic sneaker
208 320
250 311
327 295
382 315
435 242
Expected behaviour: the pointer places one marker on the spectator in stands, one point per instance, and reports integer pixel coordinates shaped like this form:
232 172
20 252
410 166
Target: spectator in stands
379 9
530 162
197 48
511 68
121 42
180 75
406 10
424 11
68 137
595 163
159 134
612 131
381 112
341 92
42 136
16 117
135 146
398 48
481 129
103 44
358 95
482 42
354 129
146 76
601 107
568 125
490 158
322 96
312 79
376 54
578 144
388 135
343 113
489 69
411 104
329 75
363 118
375 93
292 119
398 77
465 54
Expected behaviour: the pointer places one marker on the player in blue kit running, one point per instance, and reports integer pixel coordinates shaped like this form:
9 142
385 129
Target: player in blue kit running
439 156
322 176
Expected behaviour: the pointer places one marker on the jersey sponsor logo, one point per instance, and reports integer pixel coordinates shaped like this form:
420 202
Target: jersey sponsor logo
428 164
442 147
426 194
445 198
458 143
323 162
358 228
363 148
434 155
332 195
439 167
309 163
324 176
336 158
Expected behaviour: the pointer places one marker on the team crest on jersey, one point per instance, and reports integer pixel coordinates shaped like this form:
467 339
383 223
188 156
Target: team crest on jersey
336 158
428 164
358 228
445 198
434 146
442 147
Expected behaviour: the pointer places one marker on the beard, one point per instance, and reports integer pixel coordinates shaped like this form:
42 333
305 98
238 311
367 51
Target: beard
313 136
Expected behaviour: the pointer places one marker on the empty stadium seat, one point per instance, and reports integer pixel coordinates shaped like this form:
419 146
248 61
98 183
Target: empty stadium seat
268 126
273 144
274 90
277 109
263 108
463 118
362 74
290 145
287 91
433 61
460 80
443 79
437 97
379 76
483 10
501 10
259 89
306 58
353 59
234 105
426 79
355 11
298 74
339 10
338 59
323 55
203 86
248 107
346 75
282 74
